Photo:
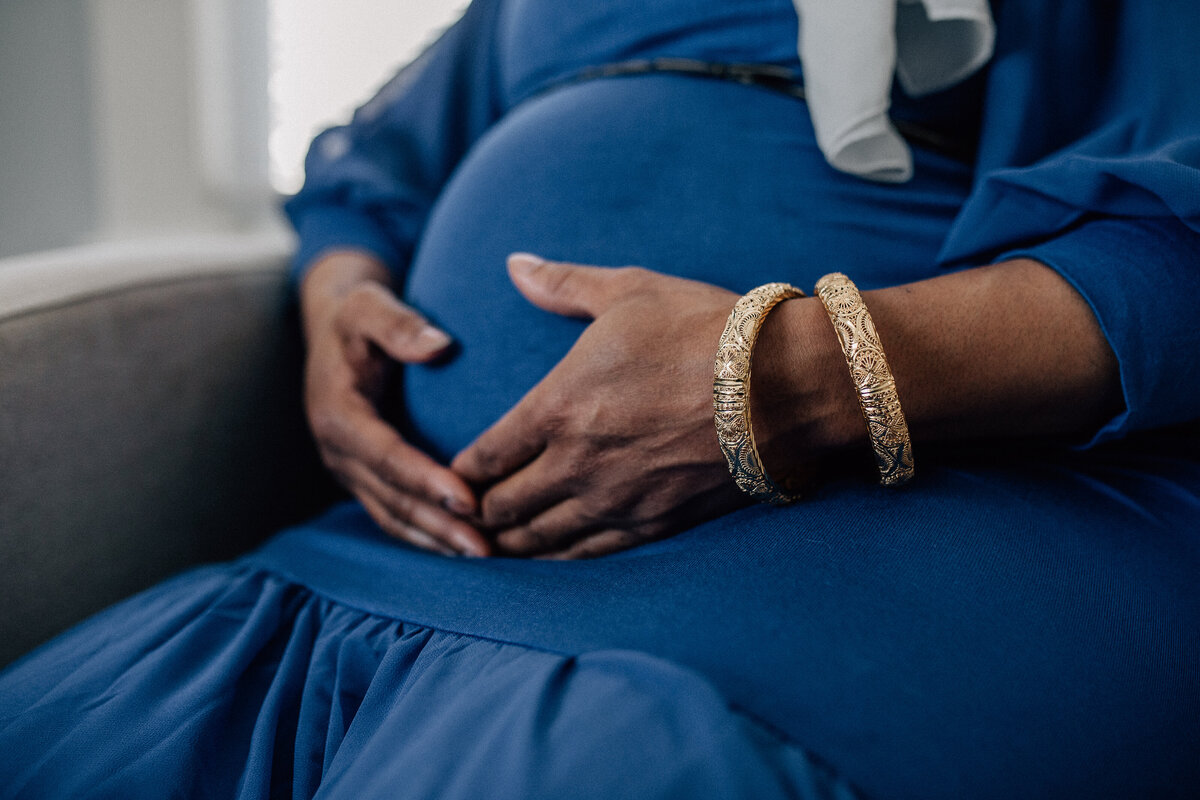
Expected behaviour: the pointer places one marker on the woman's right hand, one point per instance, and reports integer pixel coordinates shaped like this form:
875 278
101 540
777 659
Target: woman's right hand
356 328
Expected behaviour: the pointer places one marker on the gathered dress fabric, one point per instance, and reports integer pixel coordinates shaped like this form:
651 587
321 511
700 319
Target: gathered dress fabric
1023 620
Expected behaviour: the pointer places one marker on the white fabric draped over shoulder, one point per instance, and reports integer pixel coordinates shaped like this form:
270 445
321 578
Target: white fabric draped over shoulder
851 49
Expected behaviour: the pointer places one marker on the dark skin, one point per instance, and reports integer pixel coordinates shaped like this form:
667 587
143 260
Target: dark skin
616 445
354 326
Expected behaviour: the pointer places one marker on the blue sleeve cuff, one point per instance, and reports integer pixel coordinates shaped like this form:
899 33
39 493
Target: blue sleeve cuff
1141 278
327 228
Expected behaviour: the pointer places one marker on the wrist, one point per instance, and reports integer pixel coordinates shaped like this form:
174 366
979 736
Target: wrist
803 402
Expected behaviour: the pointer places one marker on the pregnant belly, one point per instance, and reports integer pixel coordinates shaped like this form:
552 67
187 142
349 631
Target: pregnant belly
698 178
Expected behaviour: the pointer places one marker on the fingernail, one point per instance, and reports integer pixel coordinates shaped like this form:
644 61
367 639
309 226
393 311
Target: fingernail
434 339
523 262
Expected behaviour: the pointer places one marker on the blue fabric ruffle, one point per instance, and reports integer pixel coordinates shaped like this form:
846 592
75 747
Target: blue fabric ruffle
233 682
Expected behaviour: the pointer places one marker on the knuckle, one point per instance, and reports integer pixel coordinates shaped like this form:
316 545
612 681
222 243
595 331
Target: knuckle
486 459
592 511
561 281
402 507
526 539
576 470
393 465
558 414
401 326
537 537
324 423
429 490
556 402
330 459
496 510
626 346
328 435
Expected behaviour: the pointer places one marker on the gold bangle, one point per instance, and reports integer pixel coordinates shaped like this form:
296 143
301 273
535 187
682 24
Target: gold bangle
872 377
731 391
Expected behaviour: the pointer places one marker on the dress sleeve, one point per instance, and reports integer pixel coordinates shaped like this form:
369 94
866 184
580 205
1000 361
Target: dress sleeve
370 184
1089 162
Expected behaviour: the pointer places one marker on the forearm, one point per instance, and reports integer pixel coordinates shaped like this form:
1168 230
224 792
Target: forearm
1005 350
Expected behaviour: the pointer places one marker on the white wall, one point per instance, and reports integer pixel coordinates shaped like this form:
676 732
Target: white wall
329 58
153 178
105 124
135 119
47 182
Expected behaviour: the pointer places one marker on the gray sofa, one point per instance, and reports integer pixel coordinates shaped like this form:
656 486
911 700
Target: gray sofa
150 419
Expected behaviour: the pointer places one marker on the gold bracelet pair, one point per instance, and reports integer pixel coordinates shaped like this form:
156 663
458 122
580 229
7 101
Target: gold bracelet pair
873 381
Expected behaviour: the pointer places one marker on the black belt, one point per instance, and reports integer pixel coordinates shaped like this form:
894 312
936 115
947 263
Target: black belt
766 76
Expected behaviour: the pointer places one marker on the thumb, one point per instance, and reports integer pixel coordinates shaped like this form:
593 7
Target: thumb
572 290
396 328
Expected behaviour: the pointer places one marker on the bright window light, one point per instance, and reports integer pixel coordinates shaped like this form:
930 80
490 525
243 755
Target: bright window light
328 58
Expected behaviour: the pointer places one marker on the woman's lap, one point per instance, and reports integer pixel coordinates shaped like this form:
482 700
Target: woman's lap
233 682
988 625
1022 630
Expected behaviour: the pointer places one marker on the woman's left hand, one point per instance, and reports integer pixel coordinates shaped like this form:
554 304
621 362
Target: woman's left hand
616 445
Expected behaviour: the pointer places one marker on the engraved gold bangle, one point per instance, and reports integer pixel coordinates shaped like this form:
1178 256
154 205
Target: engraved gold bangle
731 391
873 381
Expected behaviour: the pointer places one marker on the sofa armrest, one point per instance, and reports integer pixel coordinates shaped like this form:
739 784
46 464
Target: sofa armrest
150 419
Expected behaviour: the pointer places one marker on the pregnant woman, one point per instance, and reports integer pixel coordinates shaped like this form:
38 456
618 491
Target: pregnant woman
1022 619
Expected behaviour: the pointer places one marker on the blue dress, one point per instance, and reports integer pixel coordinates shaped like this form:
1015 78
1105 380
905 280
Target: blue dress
1022 621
